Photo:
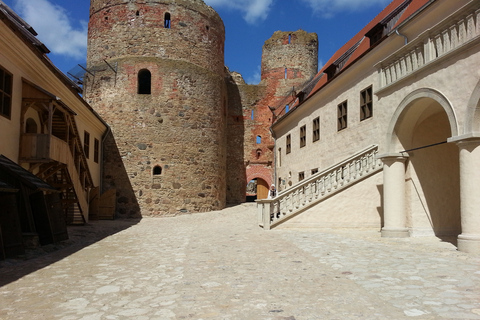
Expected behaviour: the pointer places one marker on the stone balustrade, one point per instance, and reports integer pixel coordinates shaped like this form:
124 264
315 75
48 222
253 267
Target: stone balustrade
431 46
313 190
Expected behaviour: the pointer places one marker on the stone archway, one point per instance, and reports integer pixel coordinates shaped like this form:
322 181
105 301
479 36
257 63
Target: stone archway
420 128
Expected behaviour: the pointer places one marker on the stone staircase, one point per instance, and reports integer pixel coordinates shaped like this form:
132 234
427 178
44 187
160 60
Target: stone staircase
315 189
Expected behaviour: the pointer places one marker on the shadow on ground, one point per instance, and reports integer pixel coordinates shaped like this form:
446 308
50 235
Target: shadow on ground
79 237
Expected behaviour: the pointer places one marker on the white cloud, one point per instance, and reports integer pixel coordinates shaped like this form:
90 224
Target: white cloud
255 77
252 10
331 7
54 27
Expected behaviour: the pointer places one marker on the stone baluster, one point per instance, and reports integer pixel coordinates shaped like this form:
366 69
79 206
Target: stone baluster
477 28
408 66
462 32
414 60
289 201
328 183
446 41
471 32
421 61
333 178
403 66
303 195
438 45
453 37
398 70
339 177
322 185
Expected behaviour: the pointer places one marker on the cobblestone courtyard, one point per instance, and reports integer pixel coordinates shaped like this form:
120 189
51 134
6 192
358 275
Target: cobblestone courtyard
220 265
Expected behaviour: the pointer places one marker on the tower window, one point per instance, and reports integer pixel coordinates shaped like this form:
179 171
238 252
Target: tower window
287 108
144 81
285 73
157 170
253 114
289 38
259 139
167 21
137 13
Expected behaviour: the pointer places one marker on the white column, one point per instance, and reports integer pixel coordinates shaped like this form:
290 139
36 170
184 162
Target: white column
469 239
394 209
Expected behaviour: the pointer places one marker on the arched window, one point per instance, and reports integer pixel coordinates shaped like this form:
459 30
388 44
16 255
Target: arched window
259 139
144 81
289 38
259 153
287 108
157 170
31 126
285 73
167 21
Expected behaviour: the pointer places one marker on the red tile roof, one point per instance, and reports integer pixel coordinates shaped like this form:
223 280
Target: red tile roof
364 42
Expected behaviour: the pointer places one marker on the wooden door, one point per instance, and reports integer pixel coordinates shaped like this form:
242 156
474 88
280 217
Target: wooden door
262 189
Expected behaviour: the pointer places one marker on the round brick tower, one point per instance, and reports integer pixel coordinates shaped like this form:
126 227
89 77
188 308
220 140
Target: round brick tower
290 58
156 75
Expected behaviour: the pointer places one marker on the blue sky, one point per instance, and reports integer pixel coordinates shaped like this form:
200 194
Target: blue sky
62 26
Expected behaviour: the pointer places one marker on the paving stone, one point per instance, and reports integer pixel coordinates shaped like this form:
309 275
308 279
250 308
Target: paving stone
221 265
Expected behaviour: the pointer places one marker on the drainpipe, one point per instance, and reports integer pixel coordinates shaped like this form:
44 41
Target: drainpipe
274 159
101 158
402 35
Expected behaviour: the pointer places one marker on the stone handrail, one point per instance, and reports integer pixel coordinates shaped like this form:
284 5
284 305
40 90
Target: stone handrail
318 187
431 46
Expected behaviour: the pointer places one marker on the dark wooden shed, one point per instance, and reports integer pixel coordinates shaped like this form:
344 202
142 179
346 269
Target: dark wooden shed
30 210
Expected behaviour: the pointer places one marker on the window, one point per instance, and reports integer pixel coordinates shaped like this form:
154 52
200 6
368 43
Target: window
316 129
253 114
303 136
301 176
342 115
5 93
314 171
96 150
86 144
366 105
144 82
289 38
157 170
289 144
259 139
167 21
287 108
285 73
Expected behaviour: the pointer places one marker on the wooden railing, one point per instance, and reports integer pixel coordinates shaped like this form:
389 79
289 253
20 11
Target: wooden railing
432 45
307 193
41 147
